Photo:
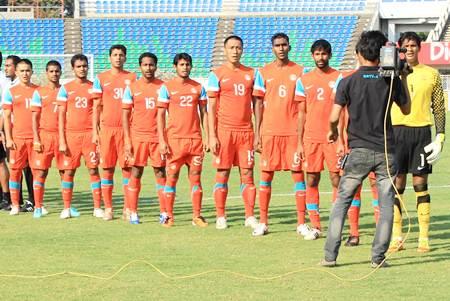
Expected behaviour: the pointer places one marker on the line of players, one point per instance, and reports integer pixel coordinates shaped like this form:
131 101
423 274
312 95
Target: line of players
120 118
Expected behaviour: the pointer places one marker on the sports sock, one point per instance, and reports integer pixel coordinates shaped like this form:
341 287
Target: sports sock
312 205
248 192
28 174
107 184
375 203
220 194
353 213
423 213
300 196
126 173
265 192
169 194
96 190
160 183
134 188
15 179
67 190
196 194
38 191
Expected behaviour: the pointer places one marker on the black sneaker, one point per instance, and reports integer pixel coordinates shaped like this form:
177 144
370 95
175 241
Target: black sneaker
4 205
28 207
352 241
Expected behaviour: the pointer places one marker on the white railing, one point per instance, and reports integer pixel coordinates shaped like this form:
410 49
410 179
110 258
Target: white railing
435 34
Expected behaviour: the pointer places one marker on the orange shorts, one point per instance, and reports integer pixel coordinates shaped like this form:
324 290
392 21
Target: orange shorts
111 148
185 151
236 149
20 157
317 153
280 153
43 160
144 149
79 144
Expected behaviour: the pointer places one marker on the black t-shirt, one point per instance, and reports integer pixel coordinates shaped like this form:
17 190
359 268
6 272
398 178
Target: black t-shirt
365 93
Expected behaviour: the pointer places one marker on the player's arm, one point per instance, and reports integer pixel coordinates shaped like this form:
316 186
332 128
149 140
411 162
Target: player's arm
36 105
96 110
202 106
2 133
163 104
259 91
213 89
127 104
7 100
62 107
333 134
341 125
300 98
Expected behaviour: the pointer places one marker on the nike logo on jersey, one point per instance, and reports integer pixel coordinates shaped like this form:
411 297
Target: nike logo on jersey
225 80
174 92
420 168
17 96
137 93
70 92
106 84
270 79
308 87
45 97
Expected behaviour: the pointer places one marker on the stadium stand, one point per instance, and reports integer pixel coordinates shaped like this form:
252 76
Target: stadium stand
303 31
157 6
165 37
301 6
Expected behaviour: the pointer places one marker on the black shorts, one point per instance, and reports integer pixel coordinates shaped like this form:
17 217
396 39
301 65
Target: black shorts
2 152
409 153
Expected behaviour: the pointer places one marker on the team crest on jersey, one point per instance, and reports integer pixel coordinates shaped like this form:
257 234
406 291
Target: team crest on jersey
127 82
293 77
247 77
90 91
193 90
331 84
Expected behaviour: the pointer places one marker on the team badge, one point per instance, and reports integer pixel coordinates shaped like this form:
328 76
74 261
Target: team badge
247 77
90 91
331 84
193 90
127 82
293 77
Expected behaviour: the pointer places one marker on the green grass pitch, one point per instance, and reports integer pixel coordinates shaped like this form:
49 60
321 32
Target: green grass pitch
92 246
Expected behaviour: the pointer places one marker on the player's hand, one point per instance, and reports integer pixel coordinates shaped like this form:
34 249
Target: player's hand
10 144
214 145
206 146
435 149
37 146
2 137
128 149
95 139
164 148
301 151
63 148
332 136
257 144
340 149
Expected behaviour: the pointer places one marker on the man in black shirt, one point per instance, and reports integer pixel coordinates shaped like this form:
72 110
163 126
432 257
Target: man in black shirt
366 96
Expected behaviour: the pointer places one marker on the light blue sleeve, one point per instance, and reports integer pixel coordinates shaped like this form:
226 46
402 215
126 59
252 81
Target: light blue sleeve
163 94
213 82
36 100
7 98
259 84
97 86
127 97
62 94
299 88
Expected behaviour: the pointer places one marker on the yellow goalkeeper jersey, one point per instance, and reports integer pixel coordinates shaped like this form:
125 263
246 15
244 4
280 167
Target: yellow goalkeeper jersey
427 99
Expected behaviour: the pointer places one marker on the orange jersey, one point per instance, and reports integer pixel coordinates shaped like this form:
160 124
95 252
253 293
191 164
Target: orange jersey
17 99
110 88
182 101
77 100
316 89
277 87
142 97
44 101
233 91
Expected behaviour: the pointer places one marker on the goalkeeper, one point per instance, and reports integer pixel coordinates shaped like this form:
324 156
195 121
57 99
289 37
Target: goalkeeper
415 151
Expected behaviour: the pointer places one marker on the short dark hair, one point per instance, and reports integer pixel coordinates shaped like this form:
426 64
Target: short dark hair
279 35
13 58
182 56
150 55
53 63
78 57
409 35
26 62
233 37
118 46
370 43
321 45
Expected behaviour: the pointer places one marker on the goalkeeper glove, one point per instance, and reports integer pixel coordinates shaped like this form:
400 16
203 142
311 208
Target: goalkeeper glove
434 148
